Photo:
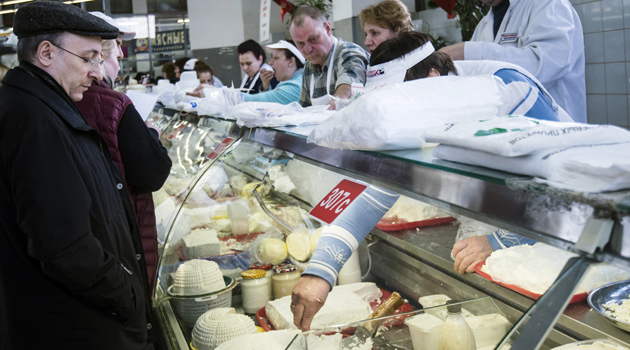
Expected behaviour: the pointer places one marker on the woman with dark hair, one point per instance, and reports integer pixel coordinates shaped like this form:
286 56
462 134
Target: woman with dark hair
168 72
251 57
287 62
179 66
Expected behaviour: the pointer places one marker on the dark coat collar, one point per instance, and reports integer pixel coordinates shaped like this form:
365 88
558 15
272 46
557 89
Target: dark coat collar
37 82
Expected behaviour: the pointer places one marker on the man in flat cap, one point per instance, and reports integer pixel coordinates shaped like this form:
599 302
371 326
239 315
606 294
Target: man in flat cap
71 266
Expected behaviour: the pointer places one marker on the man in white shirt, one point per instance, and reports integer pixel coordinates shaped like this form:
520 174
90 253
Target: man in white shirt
544 37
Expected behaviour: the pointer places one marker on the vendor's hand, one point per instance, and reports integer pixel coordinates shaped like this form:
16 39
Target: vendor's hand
455 51
309 295
469 252
198 92
266 76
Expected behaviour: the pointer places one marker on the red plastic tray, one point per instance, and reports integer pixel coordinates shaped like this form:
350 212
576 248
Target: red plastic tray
395 224
576 298
264 323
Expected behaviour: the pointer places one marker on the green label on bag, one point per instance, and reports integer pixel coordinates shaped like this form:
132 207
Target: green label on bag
490 132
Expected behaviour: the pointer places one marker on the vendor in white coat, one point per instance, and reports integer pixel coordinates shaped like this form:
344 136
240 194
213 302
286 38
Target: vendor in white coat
411 56
544 37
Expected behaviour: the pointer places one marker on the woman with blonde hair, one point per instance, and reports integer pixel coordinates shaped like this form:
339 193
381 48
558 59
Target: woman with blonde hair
384 21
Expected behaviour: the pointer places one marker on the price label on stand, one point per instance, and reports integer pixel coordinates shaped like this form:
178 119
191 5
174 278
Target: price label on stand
176 131
335 202
220 147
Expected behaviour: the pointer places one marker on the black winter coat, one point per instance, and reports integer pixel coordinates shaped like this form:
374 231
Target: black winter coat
69 246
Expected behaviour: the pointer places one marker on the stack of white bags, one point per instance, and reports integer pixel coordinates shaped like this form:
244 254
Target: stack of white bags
573 156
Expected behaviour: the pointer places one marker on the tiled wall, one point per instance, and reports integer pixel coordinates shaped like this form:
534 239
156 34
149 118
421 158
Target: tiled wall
606 25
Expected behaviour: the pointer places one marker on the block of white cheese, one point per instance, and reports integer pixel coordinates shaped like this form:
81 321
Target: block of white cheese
342 306
280 340
201 243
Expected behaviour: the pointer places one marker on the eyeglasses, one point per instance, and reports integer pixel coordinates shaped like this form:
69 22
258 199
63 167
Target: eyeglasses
92 61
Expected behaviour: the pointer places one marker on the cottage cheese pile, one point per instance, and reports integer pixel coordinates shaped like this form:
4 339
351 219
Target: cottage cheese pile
619 311
536 267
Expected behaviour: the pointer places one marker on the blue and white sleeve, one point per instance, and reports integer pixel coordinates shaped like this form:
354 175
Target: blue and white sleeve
504 239
342 237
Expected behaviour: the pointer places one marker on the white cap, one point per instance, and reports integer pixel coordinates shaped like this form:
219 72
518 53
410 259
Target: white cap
395 70
287 45
190 64
125 32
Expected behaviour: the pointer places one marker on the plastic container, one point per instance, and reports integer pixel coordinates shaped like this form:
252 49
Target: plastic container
455 333
238 213
284 279
424 330
488 329
254 290
351 271
269 272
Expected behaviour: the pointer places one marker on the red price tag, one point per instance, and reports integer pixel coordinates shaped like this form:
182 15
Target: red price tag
179 128
335 202
220 147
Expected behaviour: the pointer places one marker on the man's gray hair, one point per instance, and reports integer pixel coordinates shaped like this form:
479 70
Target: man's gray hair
307 11
27 46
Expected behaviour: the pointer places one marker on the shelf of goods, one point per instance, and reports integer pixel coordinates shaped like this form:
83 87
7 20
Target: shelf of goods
415 262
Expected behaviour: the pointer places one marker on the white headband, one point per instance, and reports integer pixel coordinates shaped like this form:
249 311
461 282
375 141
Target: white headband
394 71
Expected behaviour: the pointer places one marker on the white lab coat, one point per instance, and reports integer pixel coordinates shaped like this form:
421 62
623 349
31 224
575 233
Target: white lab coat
545 37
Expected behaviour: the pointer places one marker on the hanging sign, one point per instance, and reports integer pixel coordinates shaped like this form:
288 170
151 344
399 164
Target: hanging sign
264 20
171 40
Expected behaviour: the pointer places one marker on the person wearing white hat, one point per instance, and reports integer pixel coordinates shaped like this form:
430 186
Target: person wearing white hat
287 62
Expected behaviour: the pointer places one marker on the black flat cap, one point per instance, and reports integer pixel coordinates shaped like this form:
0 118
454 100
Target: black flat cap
45 17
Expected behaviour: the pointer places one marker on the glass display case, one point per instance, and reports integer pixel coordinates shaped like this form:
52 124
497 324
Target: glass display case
266 181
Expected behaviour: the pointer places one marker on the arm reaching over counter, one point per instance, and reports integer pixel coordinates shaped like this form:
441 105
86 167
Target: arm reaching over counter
472 250
336 244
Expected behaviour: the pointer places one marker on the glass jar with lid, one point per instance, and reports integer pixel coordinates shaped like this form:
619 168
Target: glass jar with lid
254 290
284 279
269 273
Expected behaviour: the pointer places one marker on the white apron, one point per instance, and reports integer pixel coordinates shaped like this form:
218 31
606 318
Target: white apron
323 100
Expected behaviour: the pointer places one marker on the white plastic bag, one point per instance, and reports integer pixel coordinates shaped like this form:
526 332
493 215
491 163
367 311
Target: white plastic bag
588 168
395 116
269 114
517 135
